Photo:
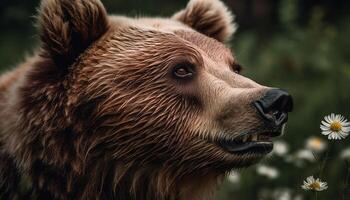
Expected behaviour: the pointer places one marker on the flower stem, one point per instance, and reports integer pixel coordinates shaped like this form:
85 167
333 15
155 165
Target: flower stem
346 184
315 195
323 165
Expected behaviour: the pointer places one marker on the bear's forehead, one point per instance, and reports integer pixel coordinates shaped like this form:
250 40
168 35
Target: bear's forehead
216 50
213 48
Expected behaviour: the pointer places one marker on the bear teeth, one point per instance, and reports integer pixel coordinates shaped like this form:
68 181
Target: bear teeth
255 138
245 138
248 138
252 138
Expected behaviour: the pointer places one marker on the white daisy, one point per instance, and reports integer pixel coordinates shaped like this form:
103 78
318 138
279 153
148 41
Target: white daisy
300 158
314 184
345 154
234 177
282 194
269 172
305 154
316 144
280 148
335 126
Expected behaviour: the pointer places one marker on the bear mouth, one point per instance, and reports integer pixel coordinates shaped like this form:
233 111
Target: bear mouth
256 143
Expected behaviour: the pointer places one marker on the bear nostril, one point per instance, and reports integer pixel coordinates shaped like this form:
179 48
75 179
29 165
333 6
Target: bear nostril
274 106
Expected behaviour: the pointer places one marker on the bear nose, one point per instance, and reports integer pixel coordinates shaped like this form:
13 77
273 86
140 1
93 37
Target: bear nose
274 106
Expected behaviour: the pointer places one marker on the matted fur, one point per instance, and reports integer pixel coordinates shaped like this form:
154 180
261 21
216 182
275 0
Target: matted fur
96 113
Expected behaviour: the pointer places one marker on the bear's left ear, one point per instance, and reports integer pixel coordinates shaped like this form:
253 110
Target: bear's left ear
210 17
68 27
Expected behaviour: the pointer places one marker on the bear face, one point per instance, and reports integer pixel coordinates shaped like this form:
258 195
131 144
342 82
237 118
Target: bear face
172 93
126 102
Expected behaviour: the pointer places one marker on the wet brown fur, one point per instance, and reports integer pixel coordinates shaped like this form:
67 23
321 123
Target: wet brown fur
95 115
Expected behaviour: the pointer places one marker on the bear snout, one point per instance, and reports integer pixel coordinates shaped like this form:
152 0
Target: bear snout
274 106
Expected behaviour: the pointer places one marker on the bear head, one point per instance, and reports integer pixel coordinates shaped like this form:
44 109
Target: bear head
156 100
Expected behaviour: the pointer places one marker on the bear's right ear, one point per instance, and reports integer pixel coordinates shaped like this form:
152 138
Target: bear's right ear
210 17
68 27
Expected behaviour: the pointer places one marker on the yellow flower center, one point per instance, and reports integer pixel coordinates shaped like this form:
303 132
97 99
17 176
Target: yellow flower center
336 126
316 143
315 185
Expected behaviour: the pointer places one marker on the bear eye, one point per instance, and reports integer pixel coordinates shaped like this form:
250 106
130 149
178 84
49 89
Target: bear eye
183 71
237 68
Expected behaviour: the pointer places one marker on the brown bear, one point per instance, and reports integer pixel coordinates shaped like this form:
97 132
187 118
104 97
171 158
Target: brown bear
111 107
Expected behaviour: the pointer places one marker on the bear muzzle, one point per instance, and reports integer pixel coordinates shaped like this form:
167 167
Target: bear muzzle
273 107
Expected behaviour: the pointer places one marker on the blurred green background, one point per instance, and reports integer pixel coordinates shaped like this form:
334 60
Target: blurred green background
300 46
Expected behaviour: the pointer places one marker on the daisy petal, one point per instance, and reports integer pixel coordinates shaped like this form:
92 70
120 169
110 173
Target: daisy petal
326 132
324 128
346 123
326 123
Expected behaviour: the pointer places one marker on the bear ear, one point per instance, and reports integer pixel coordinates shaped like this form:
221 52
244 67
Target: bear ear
68 27
210 17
